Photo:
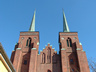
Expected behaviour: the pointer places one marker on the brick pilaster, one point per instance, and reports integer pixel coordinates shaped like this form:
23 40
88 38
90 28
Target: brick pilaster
33 60
85 62
17 60
64 61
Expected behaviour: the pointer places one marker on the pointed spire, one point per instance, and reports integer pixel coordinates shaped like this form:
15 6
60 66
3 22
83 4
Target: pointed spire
32 26
66 28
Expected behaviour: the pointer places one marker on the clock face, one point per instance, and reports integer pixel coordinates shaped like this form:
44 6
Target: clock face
62 38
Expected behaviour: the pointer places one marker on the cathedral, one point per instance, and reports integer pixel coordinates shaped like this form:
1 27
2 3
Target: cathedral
71 57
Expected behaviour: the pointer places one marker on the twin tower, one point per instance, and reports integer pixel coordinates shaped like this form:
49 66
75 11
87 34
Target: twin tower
71 57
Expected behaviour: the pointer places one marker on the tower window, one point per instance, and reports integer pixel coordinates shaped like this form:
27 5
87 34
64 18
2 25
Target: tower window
71 61
25 62
69 42
28 43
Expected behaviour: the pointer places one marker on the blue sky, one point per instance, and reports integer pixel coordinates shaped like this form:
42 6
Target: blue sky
16 16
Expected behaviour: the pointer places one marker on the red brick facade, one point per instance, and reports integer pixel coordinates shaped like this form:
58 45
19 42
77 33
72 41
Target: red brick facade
71 57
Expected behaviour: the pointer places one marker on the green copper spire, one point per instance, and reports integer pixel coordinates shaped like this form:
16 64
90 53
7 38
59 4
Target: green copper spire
66 28
32 26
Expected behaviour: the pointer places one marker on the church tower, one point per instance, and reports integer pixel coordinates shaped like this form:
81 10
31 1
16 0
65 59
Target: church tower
24 56
73 58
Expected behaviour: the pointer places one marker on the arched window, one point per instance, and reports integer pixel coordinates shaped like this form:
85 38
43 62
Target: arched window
43 58
28 43
49 71
69 42
48 55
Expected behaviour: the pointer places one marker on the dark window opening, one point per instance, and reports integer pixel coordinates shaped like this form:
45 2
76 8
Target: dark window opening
69 42
25 62
72 70
28 43
71 61
48 71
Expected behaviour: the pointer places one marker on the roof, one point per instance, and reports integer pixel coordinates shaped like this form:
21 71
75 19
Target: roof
5 57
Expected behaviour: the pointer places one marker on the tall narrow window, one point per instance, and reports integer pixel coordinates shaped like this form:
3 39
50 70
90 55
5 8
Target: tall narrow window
69 42
28 43
48 55
25 62
71 61
43 58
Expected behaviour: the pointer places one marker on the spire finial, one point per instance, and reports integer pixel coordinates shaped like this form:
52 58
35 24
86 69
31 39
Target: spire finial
32 26
66 28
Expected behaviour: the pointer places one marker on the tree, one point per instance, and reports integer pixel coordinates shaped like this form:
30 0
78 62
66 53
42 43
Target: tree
92 64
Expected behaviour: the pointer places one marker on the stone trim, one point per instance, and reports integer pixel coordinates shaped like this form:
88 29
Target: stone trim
29 33
80 43
63 49
33 48
78 49
37 43
18 48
